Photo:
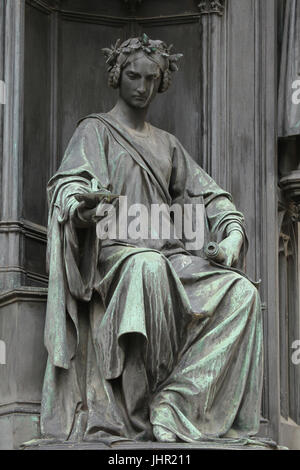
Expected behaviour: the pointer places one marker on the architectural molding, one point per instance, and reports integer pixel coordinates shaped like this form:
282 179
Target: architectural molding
37 277
168 20
93 18
20 408
24 294
14 233
43 279
214 90
290 186
294 211
208 7
25 227
44 5
35 231
266 203
11 200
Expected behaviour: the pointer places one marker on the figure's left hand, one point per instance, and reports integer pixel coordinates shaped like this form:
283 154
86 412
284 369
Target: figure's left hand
231 247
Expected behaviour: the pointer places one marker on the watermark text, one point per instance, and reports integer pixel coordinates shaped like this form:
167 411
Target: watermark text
157 222
296 353
296 93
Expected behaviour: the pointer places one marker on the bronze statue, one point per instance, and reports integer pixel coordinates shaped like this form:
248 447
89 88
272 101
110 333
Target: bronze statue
147 340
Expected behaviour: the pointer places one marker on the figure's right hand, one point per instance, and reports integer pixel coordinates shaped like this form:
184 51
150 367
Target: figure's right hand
84 214
88 203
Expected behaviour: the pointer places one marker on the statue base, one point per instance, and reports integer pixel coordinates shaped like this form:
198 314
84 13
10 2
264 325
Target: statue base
217 444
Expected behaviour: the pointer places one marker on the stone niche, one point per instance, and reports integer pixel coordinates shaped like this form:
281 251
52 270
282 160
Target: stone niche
54 75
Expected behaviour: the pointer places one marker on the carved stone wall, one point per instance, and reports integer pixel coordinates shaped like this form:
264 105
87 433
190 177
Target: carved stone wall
222 106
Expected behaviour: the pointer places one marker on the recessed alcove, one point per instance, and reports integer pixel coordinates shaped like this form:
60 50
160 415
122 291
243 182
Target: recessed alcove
219 107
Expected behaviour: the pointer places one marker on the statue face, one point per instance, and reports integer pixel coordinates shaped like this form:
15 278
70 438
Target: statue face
140 81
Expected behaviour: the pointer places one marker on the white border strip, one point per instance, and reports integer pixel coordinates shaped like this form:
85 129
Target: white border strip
2 352
2 92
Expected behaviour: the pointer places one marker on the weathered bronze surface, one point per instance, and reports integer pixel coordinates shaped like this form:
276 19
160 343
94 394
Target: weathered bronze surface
146 340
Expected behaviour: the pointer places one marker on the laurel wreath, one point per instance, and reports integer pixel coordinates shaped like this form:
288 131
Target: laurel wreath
143 44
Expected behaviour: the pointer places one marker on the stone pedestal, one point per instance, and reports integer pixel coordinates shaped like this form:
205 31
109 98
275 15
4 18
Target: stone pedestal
159 447
22 313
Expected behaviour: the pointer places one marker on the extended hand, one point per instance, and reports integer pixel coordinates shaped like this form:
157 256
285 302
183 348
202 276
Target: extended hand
84 214
88 203
231 247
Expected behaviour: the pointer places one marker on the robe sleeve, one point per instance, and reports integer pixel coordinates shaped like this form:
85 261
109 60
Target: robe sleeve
189 183
72 276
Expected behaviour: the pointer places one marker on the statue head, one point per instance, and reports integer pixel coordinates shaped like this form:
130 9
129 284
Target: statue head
142 59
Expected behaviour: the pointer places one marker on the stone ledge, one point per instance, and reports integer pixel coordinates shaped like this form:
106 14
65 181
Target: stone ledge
228 444
25 293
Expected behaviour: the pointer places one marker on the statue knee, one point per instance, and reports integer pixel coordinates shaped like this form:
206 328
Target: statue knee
247 291
151 261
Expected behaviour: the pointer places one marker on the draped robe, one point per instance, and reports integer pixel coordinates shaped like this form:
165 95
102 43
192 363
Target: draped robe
144 332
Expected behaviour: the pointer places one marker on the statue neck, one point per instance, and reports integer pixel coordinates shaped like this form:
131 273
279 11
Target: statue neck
134 118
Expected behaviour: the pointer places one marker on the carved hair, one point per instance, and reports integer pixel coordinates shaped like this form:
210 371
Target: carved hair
166 81
114 76
157 51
